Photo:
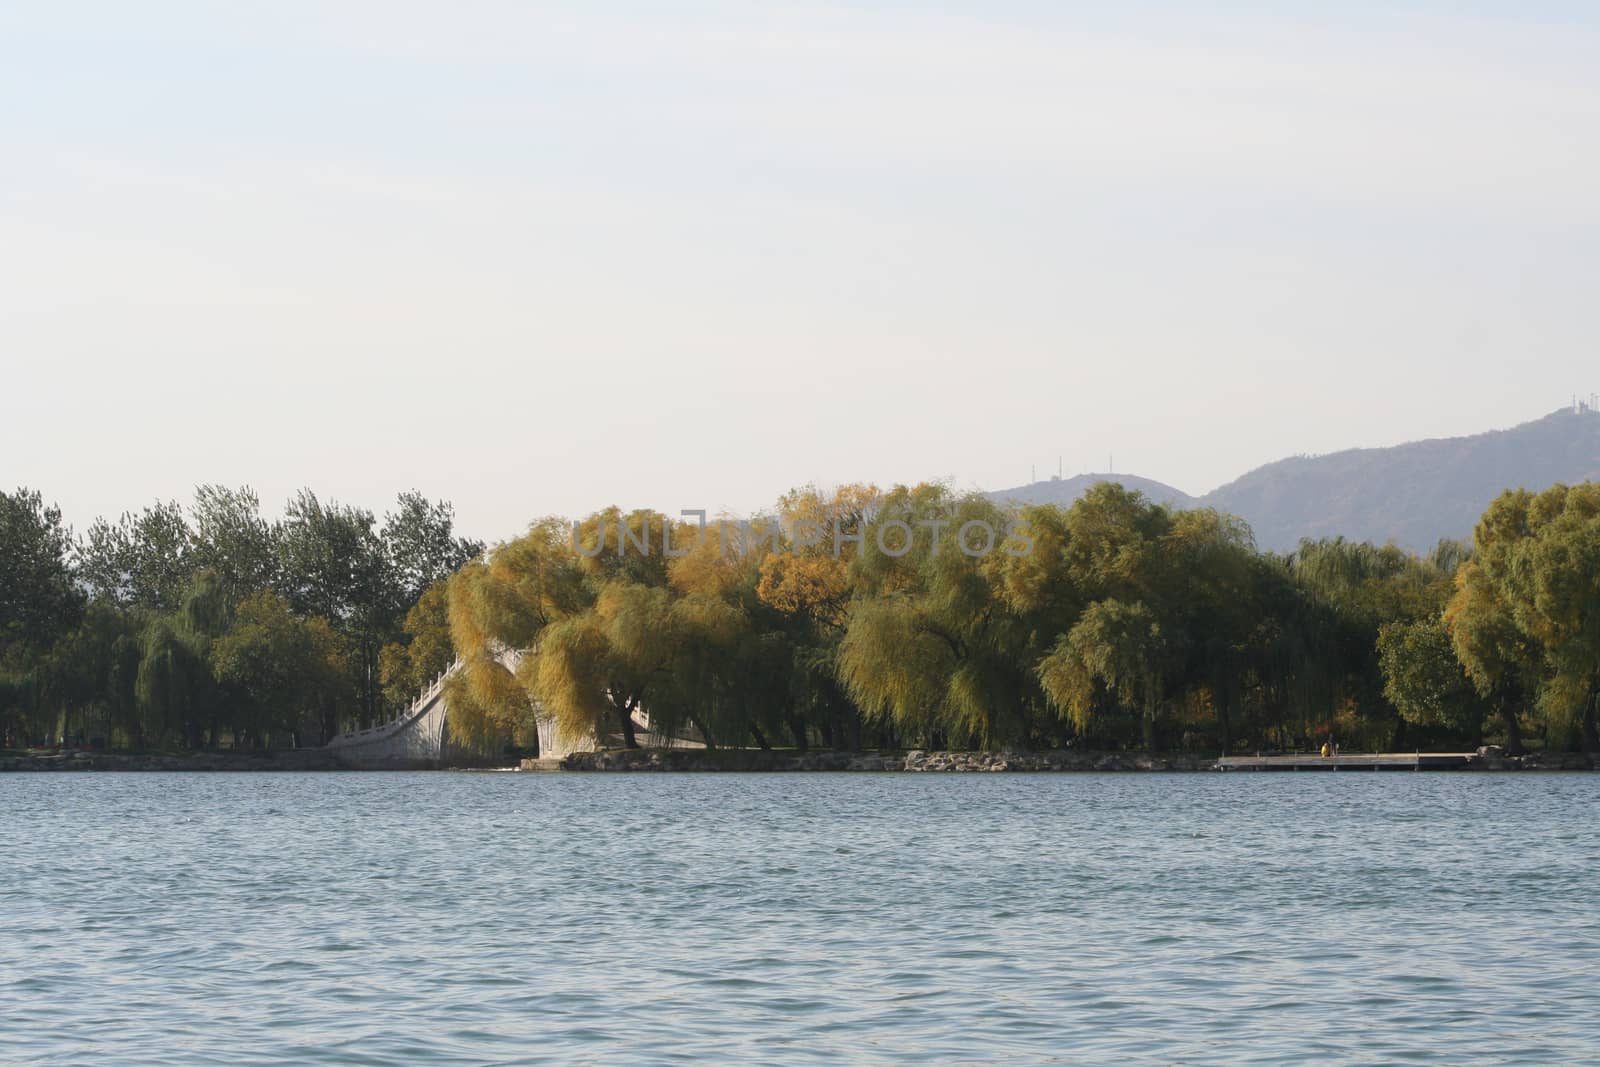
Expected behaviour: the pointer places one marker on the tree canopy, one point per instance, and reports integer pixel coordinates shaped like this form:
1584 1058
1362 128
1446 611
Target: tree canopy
199 625
909 617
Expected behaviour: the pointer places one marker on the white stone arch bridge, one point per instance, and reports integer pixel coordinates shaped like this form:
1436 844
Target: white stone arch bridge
419 736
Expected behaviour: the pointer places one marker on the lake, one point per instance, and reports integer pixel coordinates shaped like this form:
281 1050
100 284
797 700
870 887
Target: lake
452 918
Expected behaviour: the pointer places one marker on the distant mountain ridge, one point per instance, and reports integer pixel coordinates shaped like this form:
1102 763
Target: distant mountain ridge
1064 491
1412 494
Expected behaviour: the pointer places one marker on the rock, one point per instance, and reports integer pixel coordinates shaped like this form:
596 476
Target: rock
1557 761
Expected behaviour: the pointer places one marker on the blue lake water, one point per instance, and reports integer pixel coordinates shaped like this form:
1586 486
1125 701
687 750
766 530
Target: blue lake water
825 918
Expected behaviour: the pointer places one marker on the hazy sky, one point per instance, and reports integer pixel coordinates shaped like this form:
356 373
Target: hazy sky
539 258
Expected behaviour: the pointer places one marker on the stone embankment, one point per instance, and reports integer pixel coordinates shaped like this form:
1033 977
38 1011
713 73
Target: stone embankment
303 759
655 759
1057 760
719 759
300 759
916 760
738 759
1494 758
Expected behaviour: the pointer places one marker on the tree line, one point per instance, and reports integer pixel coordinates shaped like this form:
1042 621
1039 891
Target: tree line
211 625
1113 623
1124 625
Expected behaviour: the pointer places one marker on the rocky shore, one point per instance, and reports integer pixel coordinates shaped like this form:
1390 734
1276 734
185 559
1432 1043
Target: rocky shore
915 760
645 759
1494 758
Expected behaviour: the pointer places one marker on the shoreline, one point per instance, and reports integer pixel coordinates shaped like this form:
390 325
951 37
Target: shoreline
702 761
318 760
1063 761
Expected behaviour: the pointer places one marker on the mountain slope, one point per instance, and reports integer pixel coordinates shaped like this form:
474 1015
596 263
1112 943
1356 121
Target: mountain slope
1413 494
1064 491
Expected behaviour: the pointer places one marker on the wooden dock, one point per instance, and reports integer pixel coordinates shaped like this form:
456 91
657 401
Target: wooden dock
1377 761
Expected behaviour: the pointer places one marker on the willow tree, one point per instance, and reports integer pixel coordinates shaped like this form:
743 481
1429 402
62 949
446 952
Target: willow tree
1044 584
593 670
898 667
803 602
88 677
1352 590
742 665
1503 662
174 685
1527 607
668 634
809 573
597 629
931 643
595 666
1556 596
488 706
942 638
500 603
1129 585
1114 535
1143 610
1120 648
1204 587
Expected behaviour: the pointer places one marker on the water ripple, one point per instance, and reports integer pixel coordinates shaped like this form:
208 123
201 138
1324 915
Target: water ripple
1074 919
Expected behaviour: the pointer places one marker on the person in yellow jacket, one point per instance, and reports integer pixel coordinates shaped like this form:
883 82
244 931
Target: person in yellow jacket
1327 750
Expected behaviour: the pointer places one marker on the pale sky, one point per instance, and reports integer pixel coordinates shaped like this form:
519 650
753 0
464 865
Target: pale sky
541 258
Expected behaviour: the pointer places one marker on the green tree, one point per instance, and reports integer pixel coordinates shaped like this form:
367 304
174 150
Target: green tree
931 642
144 560
86 676
289 671
1353 590
422 547
332 564
1526 615
609 648
1504 663
425 650
39 604
174 687
503 601
795 622
1120 647
233 541
1425 680
38 600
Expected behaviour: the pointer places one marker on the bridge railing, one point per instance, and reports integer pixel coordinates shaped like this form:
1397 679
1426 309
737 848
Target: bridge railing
425 696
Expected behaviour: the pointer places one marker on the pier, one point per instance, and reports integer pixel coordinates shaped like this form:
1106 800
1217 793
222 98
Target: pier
1376 761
